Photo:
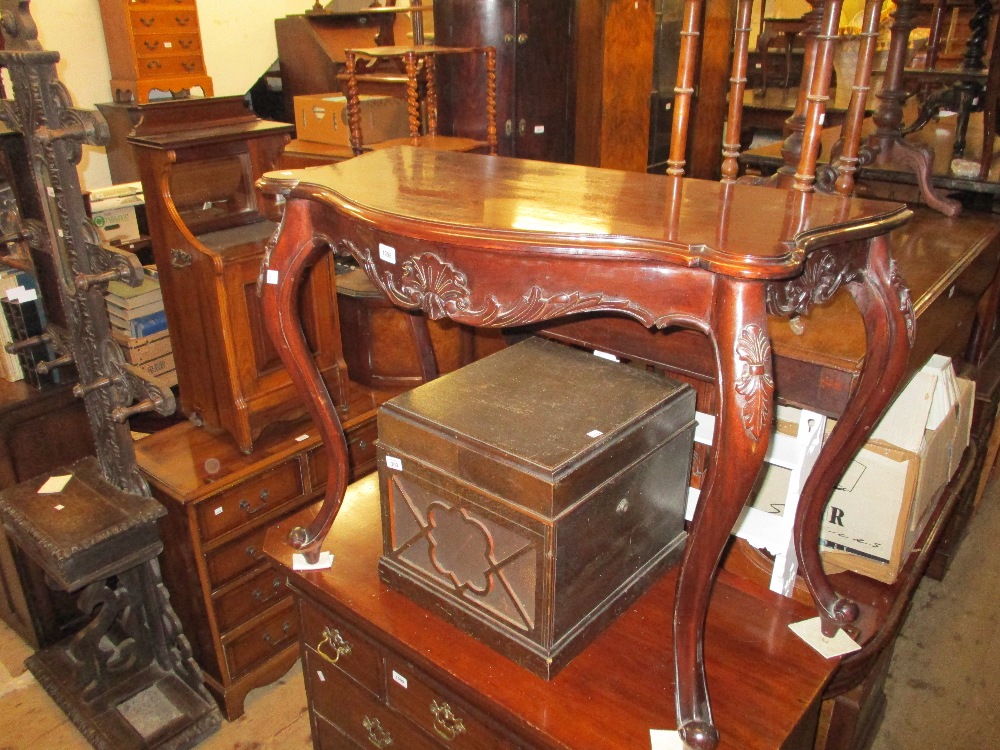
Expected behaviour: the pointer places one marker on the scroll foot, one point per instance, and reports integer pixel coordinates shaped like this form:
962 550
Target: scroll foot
699 735
844 613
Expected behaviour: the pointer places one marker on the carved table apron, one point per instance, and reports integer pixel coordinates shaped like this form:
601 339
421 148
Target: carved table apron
491 241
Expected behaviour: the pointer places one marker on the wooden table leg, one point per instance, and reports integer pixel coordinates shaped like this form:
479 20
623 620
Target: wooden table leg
889 321
742 433
294 251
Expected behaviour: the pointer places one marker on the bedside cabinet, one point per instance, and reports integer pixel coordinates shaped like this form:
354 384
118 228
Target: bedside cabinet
154 45
235 608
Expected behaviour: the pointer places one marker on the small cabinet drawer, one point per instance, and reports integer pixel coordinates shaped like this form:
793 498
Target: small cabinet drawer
167 65
250 500
360 451
262 641
356 713
264 590
235 558
435 711
168 19
167 44
342 647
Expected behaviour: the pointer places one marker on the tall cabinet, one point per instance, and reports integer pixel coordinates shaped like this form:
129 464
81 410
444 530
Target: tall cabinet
535 73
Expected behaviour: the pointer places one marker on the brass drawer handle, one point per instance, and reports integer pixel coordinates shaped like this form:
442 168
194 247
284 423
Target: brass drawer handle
151 44
182 21
340 646
446 724
268 638
245 504
147 22
251 552
185 43
378 736
188 66
153 64
259 596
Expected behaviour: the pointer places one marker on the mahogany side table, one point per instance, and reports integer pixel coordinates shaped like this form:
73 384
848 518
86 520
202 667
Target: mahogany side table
490 241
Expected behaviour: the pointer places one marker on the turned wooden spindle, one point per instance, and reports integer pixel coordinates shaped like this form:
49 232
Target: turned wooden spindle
492 138
353 105
412 101
818 96
847 163
430 73
737 85
684 90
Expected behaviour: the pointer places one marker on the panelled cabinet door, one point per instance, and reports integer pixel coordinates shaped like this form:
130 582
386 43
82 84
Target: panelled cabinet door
535 99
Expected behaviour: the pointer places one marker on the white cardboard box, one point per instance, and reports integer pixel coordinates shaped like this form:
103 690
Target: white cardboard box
884 499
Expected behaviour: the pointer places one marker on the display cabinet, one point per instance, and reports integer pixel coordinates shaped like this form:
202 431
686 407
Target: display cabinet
210 229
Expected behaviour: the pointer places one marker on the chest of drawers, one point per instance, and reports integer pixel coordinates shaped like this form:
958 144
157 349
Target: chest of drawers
235 607
383 672
154 45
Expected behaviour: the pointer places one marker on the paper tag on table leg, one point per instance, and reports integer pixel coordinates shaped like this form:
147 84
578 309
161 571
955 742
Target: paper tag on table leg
811 632
665 739
54 484
299 562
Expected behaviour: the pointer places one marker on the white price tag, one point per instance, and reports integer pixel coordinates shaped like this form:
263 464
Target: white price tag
300 438
811 632
665 739
387 253
399 679
394 463
325 561
54 484
272 276
218 511
594 434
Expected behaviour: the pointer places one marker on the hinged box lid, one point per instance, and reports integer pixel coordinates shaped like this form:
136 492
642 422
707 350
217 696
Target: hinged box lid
545 411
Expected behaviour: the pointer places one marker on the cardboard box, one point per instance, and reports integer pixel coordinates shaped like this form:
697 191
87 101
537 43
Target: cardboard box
323 118
885 498
117 211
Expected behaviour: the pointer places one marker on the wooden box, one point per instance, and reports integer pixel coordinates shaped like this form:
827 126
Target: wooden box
531 496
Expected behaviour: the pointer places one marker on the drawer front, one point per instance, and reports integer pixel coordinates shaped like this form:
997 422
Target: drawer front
435 711
342 647
169 66
264 590
360 453
246 502
146 20
357 713
235 558
262 642
167 44
327 737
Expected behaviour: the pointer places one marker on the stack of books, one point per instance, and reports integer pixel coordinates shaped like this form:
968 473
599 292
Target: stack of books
139 324
23 318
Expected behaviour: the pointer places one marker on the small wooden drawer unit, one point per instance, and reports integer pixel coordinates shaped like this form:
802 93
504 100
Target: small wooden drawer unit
153 45
532 495
363 692
235 607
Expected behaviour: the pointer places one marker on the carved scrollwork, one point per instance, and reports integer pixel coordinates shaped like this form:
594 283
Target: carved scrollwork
440 290
755 385
898 283
823 275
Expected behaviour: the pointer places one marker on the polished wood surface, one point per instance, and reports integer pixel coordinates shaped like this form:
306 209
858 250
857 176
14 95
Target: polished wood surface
500 242
766 681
